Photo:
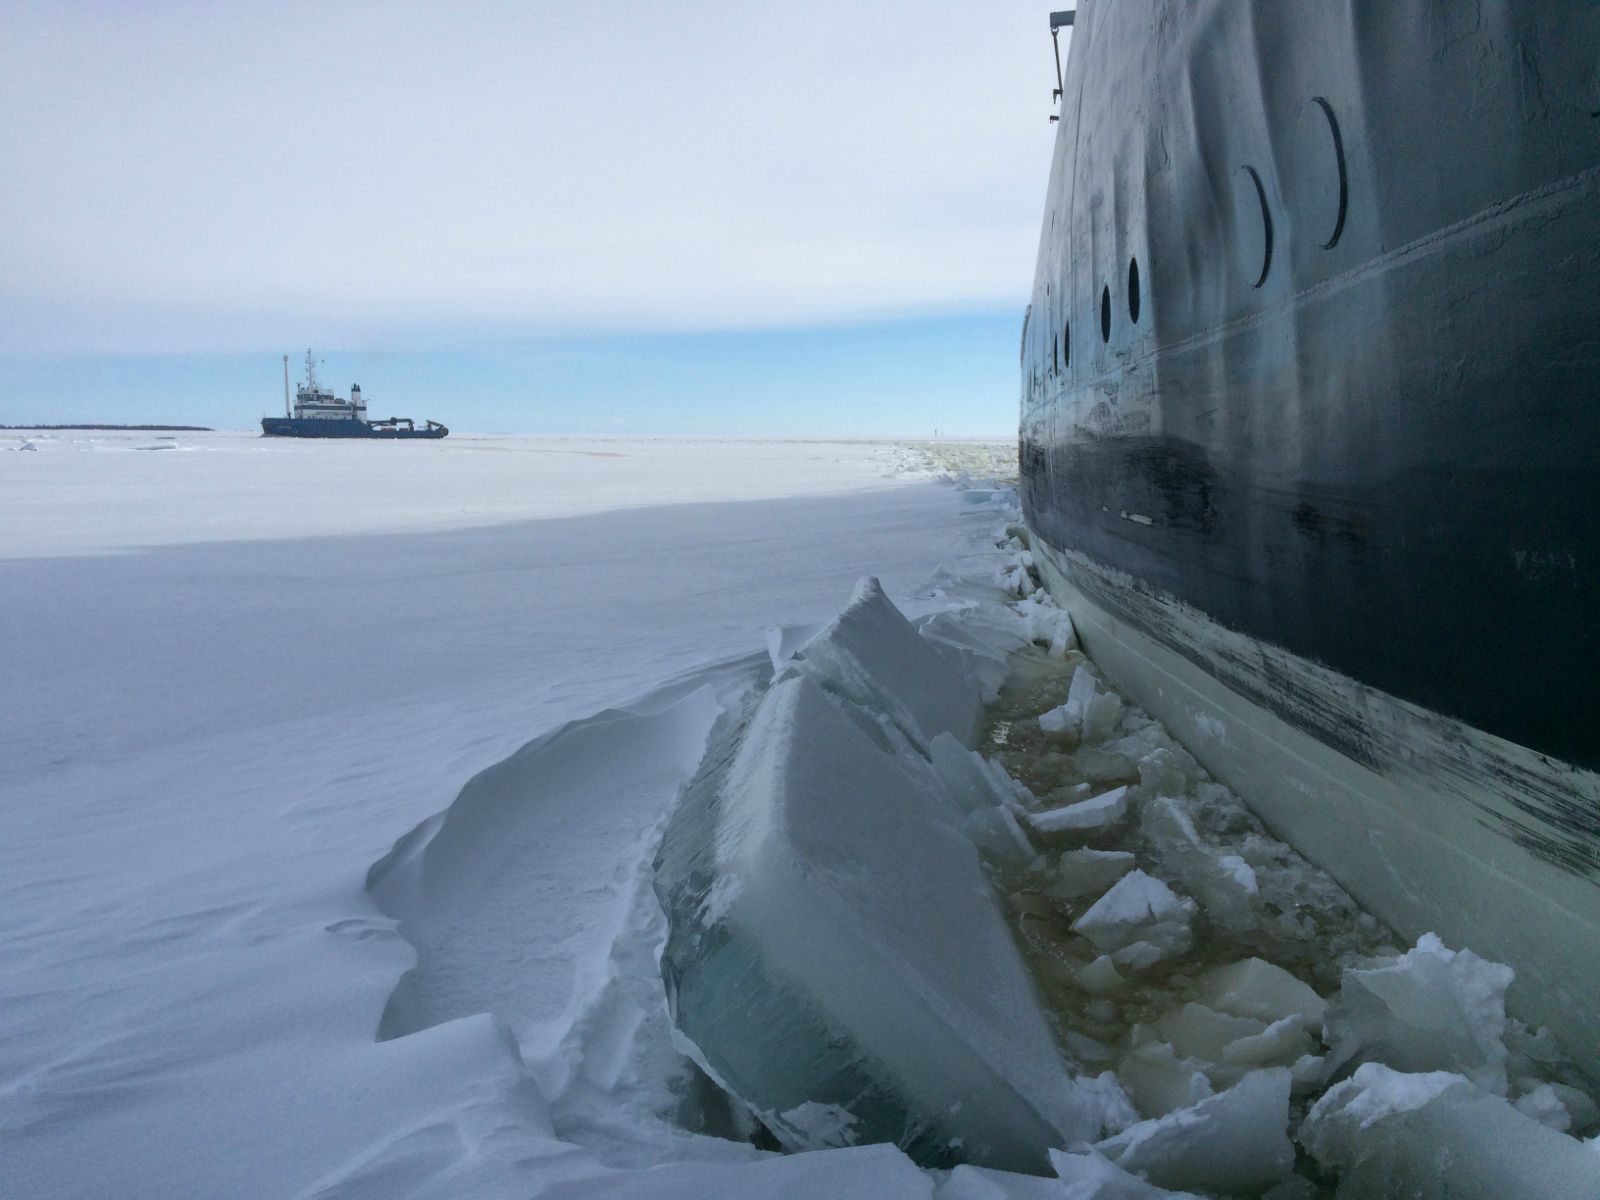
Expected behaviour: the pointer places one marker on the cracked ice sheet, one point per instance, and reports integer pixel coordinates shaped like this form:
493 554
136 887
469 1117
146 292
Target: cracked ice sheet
199 768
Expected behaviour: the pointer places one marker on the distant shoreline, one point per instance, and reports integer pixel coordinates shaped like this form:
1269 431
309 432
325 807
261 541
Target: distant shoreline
146 428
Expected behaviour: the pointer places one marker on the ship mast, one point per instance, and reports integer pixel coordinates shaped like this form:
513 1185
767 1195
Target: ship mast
311 372
286 411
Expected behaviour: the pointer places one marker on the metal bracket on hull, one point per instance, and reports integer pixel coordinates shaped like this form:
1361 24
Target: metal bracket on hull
1057 20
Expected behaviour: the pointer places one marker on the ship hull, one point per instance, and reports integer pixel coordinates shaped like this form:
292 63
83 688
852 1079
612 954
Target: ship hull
290 427
1309 439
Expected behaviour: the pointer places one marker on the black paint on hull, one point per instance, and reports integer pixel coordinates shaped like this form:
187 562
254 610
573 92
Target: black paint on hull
1358 415
316 428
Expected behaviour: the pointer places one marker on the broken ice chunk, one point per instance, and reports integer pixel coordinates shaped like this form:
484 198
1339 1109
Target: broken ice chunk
1100 977
1103 766
858 963
979 641
1204 1034
984 800
1224 883
1166 771
1136 956
1139 908
1047 625
971 780
1105 811
1089 712
1394 1136
1157 1080
1284 1043
1253 988
1546 1106
1234 1141
1092 1176
1082 873
1431 1009
872 655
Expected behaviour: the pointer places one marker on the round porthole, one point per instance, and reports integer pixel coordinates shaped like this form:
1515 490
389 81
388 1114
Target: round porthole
1324 181
1253 223
1133 290
1105 313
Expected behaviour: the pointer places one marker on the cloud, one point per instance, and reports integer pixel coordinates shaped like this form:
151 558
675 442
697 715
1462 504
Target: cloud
191 177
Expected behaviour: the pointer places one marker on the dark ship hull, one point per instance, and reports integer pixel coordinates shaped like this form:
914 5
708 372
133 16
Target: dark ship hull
317 428
1310 437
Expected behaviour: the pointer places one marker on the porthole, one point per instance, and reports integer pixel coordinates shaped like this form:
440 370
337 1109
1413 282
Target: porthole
1133 290
1105 313
1066 344
1338 201
1253 221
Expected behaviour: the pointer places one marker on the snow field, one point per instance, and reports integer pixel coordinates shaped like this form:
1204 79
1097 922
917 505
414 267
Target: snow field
207 745
101 491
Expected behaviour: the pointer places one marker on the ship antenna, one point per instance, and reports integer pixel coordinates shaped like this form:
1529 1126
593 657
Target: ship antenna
286 411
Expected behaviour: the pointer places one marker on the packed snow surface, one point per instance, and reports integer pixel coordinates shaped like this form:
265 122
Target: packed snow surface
296 654
294 907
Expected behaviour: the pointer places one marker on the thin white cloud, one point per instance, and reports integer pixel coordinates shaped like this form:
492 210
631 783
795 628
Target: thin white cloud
189 177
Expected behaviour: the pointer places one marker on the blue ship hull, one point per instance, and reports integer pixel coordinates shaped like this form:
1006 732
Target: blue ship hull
316 428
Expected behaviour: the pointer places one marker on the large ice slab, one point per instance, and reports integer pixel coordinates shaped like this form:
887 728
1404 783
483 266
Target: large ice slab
873 656
838 960
1397 1136
1430 1009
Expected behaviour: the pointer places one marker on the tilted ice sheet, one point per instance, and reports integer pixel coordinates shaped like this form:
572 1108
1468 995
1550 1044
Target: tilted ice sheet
835 943
871 655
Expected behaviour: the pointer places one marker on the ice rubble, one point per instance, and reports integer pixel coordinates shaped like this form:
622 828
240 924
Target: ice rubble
1203 983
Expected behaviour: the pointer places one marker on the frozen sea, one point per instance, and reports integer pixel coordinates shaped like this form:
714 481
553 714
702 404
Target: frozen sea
332 776
237 670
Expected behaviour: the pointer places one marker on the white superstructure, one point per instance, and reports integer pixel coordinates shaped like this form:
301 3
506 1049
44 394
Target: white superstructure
312 402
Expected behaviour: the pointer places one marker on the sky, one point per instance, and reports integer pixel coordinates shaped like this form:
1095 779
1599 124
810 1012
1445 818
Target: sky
533 217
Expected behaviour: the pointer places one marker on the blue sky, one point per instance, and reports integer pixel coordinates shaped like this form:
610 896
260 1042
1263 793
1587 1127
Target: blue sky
954 375
533 217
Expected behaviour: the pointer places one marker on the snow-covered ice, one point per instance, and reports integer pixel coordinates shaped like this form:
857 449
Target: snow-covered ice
237 674
1138 909
837 957
835 947
1398 1136
1430 1009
